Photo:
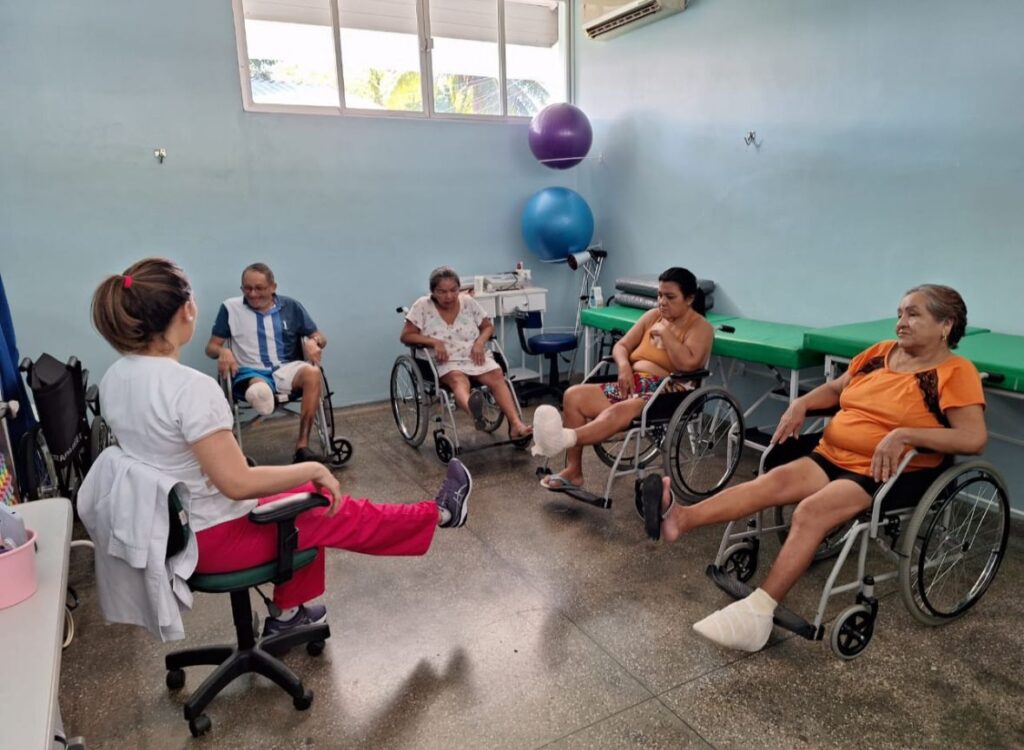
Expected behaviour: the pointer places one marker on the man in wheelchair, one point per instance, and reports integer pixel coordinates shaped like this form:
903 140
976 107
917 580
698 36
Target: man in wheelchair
274 349
912 393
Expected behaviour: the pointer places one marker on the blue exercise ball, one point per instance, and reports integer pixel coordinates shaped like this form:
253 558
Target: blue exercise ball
557 222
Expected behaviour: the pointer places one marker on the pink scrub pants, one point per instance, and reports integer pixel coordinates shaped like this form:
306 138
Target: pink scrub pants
358 526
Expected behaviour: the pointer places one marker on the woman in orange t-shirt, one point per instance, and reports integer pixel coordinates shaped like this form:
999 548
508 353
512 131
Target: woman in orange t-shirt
674 337
909 393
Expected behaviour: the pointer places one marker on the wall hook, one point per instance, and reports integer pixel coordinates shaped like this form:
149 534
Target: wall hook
751 139
160 154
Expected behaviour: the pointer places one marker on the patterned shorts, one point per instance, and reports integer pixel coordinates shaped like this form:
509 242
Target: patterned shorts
644 386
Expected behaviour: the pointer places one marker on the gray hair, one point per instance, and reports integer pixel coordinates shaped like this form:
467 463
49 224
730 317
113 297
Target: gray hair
441 273
945 303
262 268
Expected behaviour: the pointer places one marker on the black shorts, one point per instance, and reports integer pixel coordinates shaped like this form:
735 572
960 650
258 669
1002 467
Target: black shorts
906 492
833 472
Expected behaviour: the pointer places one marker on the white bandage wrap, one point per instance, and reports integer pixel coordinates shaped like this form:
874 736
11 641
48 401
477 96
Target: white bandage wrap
549 436
744 625
260 397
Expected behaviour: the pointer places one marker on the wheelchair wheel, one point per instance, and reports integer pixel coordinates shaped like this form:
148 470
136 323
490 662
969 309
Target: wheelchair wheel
703 444
951 548
741 560
852 631
39 476
492 414
830 546
100 437
650 444
340 452
408 401
444 448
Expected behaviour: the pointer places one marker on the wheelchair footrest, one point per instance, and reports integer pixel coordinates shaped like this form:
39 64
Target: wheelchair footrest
784 618
605 503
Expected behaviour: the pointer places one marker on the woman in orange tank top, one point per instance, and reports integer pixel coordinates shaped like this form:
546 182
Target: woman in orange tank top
909 393
673 337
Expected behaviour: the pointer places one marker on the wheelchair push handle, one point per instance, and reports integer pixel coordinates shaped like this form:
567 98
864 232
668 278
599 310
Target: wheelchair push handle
993 377
724 328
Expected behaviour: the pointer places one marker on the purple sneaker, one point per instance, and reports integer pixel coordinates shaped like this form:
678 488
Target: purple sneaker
311 614
454 494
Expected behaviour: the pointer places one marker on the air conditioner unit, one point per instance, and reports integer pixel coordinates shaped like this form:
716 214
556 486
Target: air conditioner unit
628 16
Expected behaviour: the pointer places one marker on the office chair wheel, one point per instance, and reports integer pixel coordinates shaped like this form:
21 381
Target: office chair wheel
830 545
315 648
852 631
199 725
741 560
703 443
444 448
175 679
304 701
341 452
951 548
409 400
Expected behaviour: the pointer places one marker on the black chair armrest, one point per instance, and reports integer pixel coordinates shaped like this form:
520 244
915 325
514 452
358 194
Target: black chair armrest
287 508
283 513
831 411
690 375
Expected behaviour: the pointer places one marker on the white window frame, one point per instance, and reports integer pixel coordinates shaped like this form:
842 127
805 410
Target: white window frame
426 71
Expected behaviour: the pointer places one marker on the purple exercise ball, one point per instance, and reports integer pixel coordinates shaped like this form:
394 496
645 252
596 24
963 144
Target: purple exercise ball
560 136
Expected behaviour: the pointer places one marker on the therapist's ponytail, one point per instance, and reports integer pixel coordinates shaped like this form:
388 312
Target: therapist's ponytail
132 309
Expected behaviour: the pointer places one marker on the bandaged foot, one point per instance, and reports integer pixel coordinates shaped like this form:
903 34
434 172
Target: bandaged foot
549 436
744 625
260 398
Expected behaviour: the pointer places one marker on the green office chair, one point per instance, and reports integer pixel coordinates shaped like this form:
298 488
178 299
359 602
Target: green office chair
251 654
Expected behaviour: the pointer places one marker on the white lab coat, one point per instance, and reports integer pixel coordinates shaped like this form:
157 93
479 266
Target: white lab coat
123 505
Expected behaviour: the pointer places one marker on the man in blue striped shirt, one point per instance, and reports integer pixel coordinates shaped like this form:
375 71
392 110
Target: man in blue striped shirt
268 344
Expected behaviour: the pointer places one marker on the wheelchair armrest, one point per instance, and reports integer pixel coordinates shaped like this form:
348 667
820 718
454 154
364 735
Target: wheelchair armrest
690 374
828 412
287 508
283 513
92 398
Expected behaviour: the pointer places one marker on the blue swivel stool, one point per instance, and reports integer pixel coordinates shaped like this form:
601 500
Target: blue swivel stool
548 345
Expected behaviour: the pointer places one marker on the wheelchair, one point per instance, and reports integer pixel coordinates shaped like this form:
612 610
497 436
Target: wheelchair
945 545
419 402
338 450
54 455
698 433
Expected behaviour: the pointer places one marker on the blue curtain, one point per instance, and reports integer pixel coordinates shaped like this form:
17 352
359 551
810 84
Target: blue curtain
12 385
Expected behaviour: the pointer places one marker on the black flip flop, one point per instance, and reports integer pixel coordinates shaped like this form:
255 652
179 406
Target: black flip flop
650 496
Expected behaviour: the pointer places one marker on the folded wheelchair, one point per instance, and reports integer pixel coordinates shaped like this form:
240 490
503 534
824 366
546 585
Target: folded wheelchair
337 450
55 454
697 430
420 402
944 532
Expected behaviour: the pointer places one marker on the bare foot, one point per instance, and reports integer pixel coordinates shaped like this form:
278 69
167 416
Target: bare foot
673 522
520 431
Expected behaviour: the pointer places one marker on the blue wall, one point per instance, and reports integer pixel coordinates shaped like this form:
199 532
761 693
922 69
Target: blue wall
352 213
892 153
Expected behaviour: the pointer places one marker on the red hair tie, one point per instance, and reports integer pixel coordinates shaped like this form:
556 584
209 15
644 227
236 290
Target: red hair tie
127 281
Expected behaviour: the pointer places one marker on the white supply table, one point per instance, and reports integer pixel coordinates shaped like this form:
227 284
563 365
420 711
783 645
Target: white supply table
502 305
32 633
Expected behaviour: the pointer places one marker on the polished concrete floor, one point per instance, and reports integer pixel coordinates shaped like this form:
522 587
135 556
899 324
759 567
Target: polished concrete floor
548 623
